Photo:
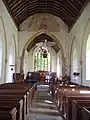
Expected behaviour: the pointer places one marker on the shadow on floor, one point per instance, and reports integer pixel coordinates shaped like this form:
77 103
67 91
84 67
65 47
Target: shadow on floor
43 107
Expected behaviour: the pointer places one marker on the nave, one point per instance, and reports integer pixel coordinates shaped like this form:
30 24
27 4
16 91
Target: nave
66 101
43 106
46 41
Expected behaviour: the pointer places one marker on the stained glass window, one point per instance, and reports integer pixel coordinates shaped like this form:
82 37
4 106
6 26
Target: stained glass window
40 63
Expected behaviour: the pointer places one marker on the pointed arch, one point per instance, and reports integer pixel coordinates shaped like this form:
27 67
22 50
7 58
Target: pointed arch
33 37
39 33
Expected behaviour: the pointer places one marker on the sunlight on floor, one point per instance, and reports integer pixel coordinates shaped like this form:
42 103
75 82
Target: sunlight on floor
47 101
43 107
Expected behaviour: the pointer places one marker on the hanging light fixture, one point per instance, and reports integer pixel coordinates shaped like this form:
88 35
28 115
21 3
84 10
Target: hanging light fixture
45 53
44 46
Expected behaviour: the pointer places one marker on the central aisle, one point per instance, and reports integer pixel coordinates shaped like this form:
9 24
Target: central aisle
43 107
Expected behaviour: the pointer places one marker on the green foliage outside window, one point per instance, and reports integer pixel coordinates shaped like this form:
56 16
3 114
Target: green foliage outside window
40 63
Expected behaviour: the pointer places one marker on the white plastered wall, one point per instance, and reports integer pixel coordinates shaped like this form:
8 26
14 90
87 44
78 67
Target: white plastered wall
53 61
9 29
31 60
59 65
80 30
61 36
75 56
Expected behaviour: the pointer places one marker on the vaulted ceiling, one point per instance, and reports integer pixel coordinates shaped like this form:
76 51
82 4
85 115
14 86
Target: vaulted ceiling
41 38
67 10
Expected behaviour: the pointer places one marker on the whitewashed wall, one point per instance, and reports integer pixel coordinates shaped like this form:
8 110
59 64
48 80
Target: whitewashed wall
31 61
61 37
53 61
59 65
9 30
80 31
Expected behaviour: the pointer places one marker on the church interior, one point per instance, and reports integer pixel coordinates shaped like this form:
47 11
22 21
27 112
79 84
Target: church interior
45 59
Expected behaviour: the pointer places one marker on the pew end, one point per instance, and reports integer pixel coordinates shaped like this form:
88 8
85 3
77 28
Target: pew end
85 113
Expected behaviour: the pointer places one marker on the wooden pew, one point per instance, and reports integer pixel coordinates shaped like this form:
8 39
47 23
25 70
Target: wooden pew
66 95
16 88
14 96
77 106
7 105
15 92
65 86
30 88
86 113
8 115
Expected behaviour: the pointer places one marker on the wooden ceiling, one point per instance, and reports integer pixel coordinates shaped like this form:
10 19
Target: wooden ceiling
41 38
67 10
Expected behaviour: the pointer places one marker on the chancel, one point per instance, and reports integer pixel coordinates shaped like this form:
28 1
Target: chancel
45 59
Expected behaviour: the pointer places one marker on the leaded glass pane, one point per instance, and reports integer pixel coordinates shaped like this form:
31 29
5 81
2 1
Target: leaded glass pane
41 63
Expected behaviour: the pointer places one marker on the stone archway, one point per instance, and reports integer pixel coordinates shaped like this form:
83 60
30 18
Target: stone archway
32 38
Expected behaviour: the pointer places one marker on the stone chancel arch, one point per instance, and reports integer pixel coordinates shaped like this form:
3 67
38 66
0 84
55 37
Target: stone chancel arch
31 41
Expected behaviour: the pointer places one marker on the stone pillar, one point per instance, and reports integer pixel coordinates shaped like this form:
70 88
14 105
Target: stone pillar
17 65
21 64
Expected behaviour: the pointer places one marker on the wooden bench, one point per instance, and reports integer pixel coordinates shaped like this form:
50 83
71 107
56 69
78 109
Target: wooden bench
12 94
66 95
13 97
77 106
6 105
20 90
8 115
86 113
30 88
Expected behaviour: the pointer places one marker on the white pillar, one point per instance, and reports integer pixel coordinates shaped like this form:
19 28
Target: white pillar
18 61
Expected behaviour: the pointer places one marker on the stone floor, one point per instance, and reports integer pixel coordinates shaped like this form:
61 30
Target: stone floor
43 107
